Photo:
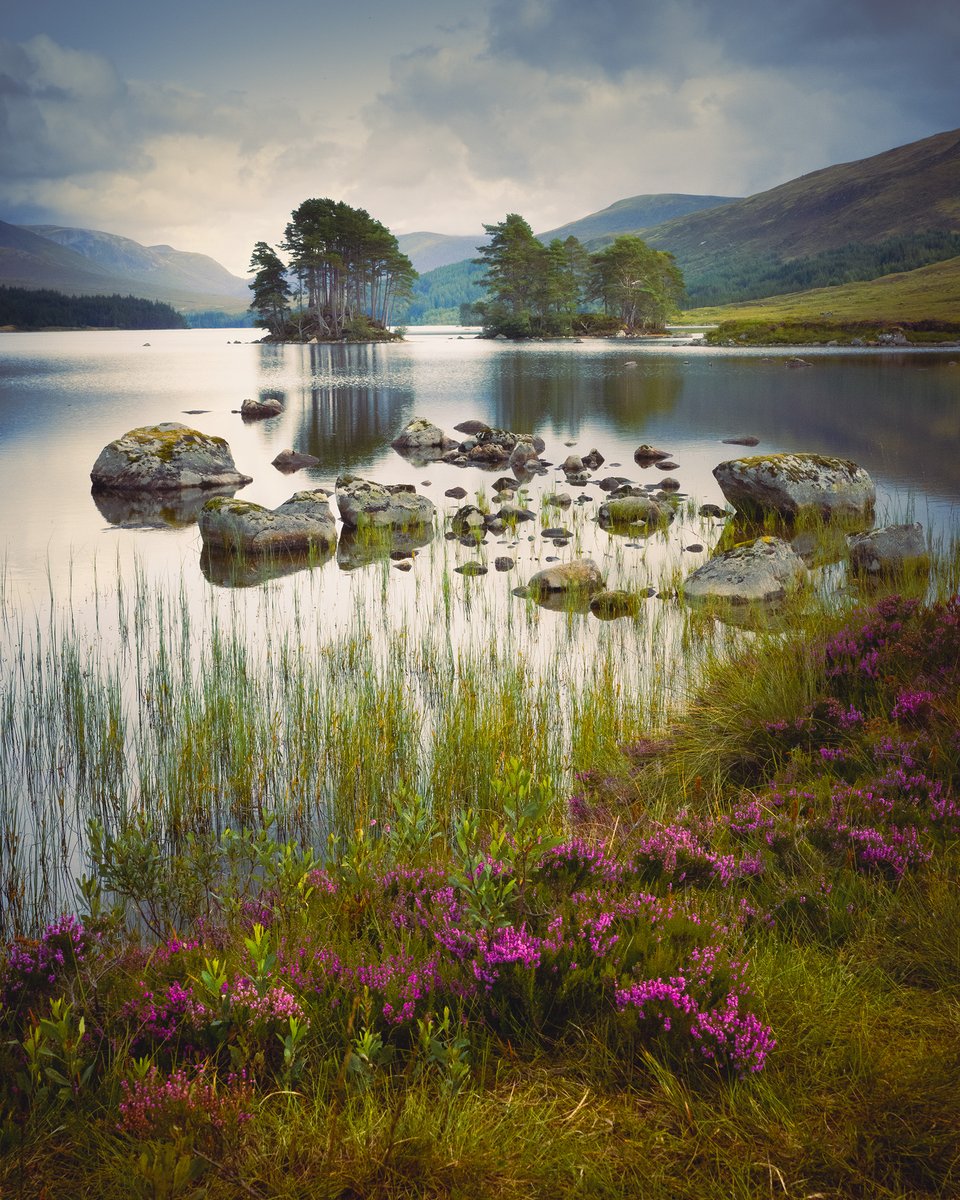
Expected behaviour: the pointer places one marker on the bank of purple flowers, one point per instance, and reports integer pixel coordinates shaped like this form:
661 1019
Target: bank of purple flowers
412 949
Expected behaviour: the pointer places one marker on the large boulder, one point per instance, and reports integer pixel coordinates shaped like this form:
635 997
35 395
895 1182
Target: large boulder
889 550
794 485
299 524
165 458
363 503
761 571
580 577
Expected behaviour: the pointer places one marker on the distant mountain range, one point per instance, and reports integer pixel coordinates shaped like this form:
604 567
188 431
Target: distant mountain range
85 262
893 212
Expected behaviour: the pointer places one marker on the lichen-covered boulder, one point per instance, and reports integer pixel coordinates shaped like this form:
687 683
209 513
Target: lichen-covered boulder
582 576
794 485
632 511
363 503
889 550
420 435
165 457
299 524
757 572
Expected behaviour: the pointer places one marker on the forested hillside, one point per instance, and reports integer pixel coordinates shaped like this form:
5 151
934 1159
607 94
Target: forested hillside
42 308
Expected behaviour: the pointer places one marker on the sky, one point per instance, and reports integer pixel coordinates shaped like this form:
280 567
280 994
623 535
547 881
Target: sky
202 123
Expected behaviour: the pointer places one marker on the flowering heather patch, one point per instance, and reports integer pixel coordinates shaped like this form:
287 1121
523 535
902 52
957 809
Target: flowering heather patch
35 970
169 1017
189 1099
678 855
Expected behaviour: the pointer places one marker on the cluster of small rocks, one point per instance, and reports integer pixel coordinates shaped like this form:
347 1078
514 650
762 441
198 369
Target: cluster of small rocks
173 459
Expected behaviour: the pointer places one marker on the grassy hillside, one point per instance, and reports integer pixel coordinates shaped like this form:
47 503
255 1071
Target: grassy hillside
929 292
909 191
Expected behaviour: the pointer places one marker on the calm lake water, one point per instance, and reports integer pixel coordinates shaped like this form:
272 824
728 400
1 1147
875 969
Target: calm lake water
64 395
106 606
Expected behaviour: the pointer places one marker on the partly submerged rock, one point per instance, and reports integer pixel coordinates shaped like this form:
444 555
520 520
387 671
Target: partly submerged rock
257 410
165 457
631 511
299 524
293 460
472 427
758 572
580 576
794 485
889 550
395 505
646 455
469 520
609 606
420 435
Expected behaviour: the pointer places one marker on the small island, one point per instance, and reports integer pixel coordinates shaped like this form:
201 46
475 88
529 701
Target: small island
345 272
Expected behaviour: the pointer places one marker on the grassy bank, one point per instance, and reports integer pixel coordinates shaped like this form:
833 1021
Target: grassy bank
928 293
724 962
787 331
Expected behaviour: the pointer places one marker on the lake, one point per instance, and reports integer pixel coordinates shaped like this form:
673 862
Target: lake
108 611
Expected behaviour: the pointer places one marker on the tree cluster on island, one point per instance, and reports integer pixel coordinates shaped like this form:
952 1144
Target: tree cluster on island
344 272
561 289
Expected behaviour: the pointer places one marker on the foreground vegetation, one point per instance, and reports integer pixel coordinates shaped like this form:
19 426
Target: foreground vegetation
728 964
788 331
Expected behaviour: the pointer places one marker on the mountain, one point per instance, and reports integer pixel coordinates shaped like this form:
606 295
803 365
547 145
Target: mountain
84 262
427 251
901 193
633 215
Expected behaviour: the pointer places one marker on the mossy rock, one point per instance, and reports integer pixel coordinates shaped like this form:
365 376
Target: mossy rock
165 457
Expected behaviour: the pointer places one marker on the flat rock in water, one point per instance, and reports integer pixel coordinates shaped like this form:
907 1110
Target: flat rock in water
165 457
504 563
471 569
299 524
472 427
456 493
294 460
743 439
555 532
792 485
645 455
753 573
666 465
557 500
257 410
364 504
581 576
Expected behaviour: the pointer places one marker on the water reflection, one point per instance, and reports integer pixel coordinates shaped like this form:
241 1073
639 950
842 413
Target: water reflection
361 547
145 510
530 390
244 571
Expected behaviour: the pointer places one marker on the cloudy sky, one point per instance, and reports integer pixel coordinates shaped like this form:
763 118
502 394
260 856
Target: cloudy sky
202 123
